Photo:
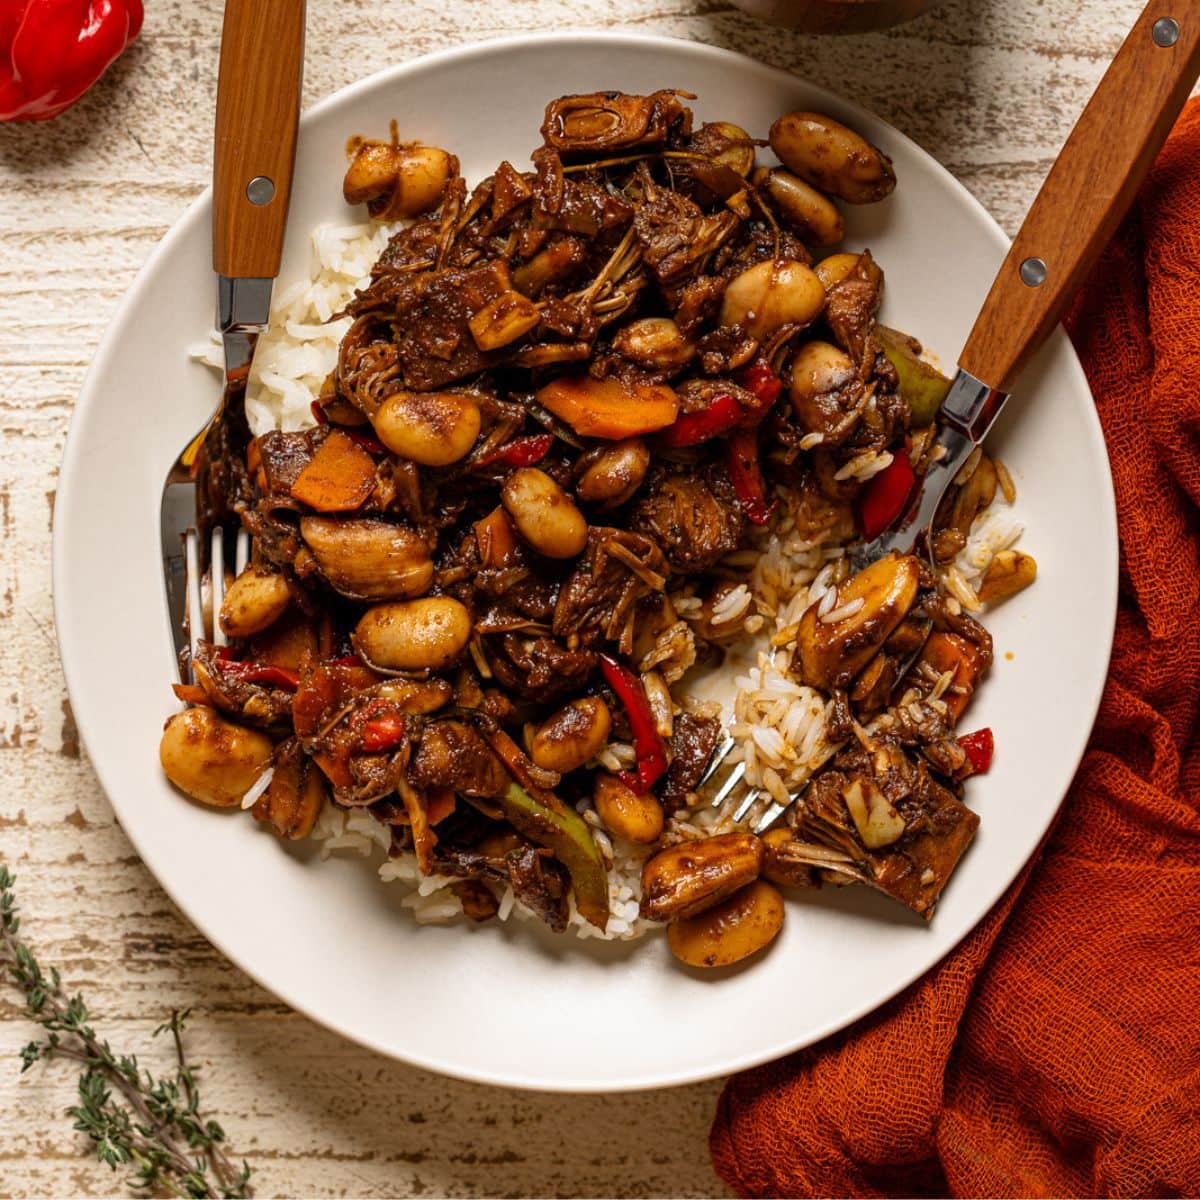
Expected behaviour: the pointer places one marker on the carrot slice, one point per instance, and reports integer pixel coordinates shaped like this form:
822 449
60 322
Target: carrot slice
609 408
339 477
440 803
949 652
495 538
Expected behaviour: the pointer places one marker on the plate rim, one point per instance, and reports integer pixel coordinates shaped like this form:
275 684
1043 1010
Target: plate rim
109 346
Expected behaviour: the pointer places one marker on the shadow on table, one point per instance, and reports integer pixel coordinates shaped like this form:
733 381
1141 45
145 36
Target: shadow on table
38 148
917 76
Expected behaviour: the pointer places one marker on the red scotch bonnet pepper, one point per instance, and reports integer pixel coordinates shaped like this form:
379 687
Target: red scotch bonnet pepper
52 51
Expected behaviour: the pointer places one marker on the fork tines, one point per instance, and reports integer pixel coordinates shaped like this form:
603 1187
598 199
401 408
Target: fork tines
216 570
737 773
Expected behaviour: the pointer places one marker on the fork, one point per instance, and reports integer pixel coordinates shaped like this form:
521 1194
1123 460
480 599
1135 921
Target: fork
197 627
258 109
1086 194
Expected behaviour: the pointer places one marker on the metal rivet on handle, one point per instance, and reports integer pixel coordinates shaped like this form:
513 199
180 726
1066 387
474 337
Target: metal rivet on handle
260 190
1033 272
1165 32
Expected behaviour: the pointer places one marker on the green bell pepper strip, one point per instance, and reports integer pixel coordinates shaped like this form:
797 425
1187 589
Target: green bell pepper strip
921 383
565 832
543 818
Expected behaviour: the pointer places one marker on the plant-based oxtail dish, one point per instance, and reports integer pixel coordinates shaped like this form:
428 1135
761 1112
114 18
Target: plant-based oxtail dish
521 464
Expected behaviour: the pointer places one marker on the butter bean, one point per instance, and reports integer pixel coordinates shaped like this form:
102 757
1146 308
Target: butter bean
432 429
832 270
398 182
369 559
771 294
817 369
811 213
832 653
256 599
687 878
728 932
736 146
572 736
414 635
544 514
615 473
656 343
635 817
828 155
211 759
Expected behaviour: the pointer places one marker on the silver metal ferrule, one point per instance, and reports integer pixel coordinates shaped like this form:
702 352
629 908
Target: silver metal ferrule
971 407
243 310
243 302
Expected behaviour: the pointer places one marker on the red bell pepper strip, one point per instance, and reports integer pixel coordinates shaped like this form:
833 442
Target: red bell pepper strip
690 429
52 51
759 379
319 414
745 473
382 733
647 743
520 452
980 746
885 495
251 672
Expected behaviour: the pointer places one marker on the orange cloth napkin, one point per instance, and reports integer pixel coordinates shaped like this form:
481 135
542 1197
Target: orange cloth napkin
1056 1052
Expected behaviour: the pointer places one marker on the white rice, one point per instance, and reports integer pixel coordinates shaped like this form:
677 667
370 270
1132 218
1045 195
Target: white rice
864 465
779 723
257 788
731 605
842 611
995 529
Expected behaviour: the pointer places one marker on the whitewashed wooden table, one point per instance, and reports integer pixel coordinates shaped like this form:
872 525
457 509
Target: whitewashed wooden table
990 87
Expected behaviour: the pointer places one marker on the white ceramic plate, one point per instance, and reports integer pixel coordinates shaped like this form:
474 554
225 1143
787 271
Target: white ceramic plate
513 1004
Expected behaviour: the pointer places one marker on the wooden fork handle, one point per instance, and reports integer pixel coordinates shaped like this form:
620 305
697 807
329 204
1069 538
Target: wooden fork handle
1088 191
258 107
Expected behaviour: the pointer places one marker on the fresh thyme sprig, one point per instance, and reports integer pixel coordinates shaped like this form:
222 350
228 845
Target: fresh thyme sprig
133 1118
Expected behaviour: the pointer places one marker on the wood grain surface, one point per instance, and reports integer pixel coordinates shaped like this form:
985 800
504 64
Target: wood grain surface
990 87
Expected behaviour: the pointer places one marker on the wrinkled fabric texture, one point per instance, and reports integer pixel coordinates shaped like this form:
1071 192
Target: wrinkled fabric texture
1056 1052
